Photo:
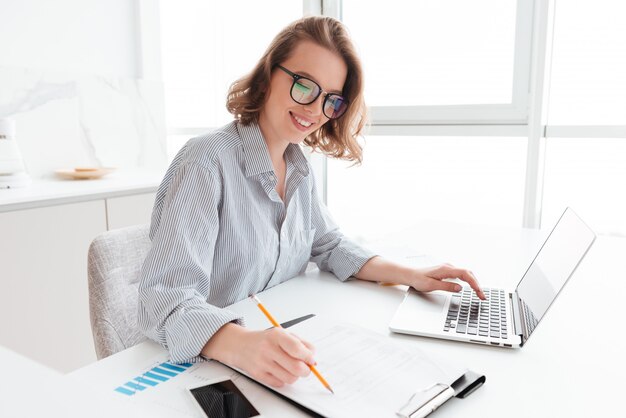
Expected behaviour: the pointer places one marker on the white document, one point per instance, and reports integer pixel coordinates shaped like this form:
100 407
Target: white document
371 375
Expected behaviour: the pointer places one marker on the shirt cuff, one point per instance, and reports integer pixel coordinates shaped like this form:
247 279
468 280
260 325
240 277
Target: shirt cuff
189 333
347 259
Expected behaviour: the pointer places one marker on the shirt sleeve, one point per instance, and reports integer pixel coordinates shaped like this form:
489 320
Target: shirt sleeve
176 276
332 251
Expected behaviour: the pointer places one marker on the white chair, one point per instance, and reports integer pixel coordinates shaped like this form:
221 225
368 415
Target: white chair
114 263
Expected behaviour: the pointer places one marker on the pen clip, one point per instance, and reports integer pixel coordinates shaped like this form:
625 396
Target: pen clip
423 402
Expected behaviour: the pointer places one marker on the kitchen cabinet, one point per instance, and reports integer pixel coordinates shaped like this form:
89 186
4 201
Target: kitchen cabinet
44 304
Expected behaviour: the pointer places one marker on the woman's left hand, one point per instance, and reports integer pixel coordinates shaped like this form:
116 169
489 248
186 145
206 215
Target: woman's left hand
432 278
386 272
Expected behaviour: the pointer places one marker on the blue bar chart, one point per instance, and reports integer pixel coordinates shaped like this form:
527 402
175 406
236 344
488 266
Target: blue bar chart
153 377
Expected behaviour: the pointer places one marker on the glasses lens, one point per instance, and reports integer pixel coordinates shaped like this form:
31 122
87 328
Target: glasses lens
335 106
304 91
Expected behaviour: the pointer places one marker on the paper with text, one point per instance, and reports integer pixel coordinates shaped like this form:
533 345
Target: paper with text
371 374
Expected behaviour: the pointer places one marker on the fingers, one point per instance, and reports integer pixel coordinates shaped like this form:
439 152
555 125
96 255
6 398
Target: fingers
291 368
448 271
285 375
307 344
289 358
270 379
273 356
468 277
447 286
297 348
477 288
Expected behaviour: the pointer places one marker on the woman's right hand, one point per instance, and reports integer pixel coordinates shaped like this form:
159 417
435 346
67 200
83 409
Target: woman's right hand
272 356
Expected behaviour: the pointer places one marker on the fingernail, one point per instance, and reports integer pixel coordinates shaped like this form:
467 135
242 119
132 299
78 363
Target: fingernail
457 288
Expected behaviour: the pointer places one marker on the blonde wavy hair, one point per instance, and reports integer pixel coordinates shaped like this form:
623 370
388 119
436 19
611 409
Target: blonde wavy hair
337 138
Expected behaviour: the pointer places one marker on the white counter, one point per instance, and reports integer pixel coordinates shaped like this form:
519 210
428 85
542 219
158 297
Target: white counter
49 192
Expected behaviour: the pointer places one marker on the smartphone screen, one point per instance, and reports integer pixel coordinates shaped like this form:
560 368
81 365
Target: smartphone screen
223 400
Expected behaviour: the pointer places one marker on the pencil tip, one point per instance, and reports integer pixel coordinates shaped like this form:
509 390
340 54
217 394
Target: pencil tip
331 391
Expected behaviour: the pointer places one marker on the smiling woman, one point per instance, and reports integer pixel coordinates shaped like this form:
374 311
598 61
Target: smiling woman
281 113
238 211
317 58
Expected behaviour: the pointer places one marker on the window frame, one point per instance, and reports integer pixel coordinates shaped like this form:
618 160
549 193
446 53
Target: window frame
514 113
513 119
524 117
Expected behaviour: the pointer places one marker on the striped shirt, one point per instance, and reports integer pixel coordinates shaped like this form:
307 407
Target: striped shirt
220 233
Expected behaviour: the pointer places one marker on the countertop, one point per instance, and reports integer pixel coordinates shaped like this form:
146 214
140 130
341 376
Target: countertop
52 191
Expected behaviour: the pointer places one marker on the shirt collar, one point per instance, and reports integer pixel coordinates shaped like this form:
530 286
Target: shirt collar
257 156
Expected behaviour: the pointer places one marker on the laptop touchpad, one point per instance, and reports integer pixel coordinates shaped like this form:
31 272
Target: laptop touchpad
427 302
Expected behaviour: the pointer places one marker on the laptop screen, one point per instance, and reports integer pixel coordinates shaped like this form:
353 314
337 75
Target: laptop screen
557 259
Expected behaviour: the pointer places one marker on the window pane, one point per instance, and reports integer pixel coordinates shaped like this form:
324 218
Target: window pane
206 45
589 175
435 52
588 81
406 179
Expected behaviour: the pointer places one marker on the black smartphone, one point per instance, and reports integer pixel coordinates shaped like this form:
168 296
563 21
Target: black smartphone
223 400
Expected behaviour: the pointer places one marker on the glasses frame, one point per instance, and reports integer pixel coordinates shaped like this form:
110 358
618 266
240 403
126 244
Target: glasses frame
297 77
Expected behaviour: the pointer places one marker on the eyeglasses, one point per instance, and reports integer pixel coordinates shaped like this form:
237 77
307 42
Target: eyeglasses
305 91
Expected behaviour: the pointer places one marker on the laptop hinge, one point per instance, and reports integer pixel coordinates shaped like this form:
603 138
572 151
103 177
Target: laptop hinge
515 314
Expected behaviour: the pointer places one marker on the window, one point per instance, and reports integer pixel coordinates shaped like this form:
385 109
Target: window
451 94
589 175
413 53
205 46
588 78
437 61
404 179
430 66
585 165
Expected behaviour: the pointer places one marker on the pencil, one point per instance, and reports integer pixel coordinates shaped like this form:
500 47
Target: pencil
277 325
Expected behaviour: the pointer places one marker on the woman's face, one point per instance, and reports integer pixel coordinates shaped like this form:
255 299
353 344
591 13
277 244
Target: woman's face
281 119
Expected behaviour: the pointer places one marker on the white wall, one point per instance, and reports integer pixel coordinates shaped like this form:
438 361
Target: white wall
72 77
85 36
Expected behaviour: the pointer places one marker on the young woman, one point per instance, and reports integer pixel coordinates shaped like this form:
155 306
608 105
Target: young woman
238 211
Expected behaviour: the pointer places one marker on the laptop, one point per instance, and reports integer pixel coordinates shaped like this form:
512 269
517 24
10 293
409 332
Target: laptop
506 318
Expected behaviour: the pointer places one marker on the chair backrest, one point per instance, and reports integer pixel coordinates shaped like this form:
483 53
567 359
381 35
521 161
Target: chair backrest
114 263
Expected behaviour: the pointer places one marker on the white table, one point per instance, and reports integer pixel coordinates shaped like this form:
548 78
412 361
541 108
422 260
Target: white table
571 366
29 389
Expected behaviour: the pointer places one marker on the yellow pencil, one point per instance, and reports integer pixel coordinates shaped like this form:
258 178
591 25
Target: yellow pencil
277 325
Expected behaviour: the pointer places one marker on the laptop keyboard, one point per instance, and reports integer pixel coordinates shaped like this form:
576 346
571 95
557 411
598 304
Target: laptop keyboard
470 315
